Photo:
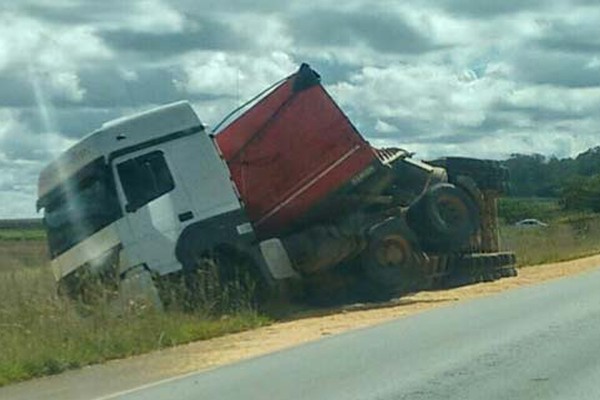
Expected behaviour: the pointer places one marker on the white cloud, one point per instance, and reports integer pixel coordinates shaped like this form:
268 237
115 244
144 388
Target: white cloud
594 63
219 73
384 127
432 94
8 123
18 203
51 52
17 142
485 85
267 33
128 75
153 16
558 99
66 84
28 41
22 156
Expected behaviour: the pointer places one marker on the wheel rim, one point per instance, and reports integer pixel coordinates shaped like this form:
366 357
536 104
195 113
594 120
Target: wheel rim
393 251
452 211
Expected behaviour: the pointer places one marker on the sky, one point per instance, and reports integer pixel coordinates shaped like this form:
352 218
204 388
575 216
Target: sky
450 77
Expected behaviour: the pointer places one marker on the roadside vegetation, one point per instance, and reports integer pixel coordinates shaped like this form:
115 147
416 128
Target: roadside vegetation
15 234
570 233
42 333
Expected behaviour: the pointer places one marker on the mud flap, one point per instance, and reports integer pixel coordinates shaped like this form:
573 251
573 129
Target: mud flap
277 260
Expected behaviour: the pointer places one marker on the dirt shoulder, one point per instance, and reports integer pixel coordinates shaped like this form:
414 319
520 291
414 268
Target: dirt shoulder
231 348
211 353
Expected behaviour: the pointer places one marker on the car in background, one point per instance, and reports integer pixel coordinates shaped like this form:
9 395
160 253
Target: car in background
531 223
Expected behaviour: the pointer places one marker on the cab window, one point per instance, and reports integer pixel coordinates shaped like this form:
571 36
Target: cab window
144 179
82 205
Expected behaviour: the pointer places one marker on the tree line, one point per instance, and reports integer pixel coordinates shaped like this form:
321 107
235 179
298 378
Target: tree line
575 181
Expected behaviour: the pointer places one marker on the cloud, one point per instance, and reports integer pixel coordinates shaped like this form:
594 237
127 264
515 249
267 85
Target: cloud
433 99
562 69
574 32
219 82
439 77
137 15
222 74
385 127
26 41
18 143
201 33
17 200
380 30
478 9
433 110
22 155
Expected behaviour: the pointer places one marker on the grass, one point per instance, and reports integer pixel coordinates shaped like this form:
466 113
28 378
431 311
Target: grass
16 255
570 234
566 238
511 209
42 333
19 234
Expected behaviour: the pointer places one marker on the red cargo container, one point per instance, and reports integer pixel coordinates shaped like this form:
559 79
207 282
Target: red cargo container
291 150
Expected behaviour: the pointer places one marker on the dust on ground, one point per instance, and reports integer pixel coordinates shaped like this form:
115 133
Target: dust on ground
223 350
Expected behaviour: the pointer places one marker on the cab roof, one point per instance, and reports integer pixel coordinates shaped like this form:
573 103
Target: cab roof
117 135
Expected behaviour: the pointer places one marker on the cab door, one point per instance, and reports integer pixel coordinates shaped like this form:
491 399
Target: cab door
165 188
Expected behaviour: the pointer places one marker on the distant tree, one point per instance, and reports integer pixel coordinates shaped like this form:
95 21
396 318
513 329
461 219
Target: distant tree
582 193
534 175
588 162
527 173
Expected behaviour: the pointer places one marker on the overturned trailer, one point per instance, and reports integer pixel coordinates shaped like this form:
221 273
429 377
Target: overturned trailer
290 190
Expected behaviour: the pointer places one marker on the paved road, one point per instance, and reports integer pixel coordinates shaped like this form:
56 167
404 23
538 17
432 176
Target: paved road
540 342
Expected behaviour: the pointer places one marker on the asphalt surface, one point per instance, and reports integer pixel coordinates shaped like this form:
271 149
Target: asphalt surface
537 342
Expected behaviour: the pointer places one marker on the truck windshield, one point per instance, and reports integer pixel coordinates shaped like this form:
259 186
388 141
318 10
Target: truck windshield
82 205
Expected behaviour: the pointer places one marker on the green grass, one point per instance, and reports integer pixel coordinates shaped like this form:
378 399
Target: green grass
511 210
42 333
565 238
17 234
570 234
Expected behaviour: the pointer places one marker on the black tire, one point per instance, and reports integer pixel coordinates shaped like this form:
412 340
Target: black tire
444 218
391 263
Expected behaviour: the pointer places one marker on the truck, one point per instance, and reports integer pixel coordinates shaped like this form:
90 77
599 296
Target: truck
289 194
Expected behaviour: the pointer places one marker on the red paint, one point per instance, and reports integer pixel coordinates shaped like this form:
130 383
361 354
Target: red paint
289 151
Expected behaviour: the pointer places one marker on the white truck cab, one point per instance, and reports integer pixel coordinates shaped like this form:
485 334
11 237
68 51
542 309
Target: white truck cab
141 193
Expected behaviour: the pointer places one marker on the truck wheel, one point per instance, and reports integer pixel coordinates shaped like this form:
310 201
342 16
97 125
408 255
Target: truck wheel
444 218
391 262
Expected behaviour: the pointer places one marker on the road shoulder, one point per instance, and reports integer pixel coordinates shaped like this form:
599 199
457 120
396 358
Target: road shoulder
139 370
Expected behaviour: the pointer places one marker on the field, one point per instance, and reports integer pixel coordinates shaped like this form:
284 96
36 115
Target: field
560 241
568 235
41 333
